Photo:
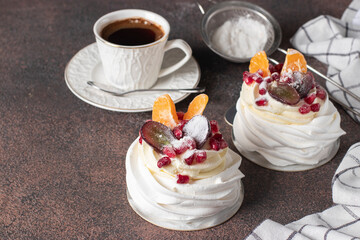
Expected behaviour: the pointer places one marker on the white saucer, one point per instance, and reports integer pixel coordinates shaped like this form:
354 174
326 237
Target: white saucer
86 66
258 159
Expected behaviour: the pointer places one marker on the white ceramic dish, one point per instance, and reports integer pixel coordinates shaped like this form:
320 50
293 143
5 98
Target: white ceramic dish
86 66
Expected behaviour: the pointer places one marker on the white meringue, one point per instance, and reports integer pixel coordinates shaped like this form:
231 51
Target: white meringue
281 134
213 195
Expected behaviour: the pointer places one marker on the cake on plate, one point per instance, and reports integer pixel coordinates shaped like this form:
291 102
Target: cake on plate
285 120
180 172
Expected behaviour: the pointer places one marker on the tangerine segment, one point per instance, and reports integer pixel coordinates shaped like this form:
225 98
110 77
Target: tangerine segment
260 62
164 111
197 106
294 61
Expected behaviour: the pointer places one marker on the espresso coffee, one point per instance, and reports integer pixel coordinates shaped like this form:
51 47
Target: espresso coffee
132 32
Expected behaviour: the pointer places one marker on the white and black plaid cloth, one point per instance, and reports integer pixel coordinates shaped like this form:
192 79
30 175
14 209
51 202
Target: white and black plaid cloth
336 42
336 223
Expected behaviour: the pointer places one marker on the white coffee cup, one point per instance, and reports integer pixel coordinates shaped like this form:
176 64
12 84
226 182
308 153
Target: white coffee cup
136 67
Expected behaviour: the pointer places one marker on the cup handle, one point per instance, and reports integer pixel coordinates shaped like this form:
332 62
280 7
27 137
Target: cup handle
177 43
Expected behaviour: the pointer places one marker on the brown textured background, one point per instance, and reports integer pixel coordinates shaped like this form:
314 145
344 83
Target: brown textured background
62 161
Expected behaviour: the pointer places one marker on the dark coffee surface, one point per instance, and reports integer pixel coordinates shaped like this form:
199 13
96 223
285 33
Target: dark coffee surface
132 32
62 161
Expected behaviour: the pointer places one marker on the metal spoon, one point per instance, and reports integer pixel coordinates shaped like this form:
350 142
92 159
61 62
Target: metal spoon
119 93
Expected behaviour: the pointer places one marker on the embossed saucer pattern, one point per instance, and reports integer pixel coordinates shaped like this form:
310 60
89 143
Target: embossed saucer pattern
86 66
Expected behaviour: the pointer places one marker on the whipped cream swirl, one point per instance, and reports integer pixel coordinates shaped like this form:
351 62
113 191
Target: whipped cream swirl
213 195
281 134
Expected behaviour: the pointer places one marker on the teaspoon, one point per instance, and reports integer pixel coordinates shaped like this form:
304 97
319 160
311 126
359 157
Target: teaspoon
119 93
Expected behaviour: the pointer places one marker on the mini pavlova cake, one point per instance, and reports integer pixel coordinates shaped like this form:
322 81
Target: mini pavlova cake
180 173
284 119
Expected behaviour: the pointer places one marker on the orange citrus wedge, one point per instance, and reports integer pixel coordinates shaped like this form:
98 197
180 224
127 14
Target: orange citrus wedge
197 106
294 61
164 111
260 62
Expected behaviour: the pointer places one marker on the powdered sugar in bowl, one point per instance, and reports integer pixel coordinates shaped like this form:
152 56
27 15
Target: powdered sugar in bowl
236 30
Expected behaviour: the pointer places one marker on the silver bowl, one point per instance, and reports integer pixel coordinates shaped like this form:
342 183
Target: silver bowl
221 12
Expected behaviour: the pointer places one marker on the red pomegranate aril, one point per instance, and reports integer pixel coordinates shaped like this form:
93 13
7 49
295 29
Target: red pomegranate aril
223 144
200 156
304 109
259 79
274 77
214 144
268 79
169 151
182 123
164 161
217 136
320 93
180 149
140 138
177 132
260 72
262 91
180 115
247 78
310 99
183 179
190 142
315 107
214 126
189 160
271 68
287 79
261 102
278 67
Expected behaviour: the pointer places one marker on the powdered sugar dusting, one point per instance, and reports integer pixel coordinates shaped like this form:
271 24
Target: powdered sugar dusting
240 37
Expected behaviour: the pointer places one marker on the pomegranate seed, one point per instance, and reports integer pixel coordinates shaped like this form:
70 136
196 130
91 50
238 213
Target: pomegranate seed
214 126
262 91
260 72
320 93
182 179
214 144
177 132
287 79
223 144
200 156
217 136
271 68
315 107
169 151
275 77
278 67
189 160
180 115
261 102
164 161
304 109
259 80
310 99
182 123
140 138
268 79
247 78
180 149
185 144
190 142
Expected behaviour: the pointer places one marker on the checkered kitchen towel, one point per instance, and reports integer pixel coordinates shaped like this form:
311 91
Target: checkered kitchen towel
336 223
336 42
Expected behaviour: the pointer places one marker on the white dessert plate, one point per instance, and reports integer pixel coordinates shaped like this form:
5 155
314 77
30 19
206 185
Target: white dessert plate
86 66
258 159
